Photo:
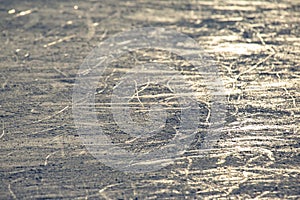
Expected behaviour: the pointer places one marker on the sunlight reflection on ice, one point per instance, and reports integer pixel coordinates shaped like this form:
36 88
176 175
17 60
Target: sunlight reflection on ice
241 48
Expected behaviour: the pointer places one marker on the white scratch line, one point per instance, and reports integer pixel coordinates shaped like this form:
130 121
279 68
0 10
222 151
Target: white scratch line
47 157
49 117
59 41
11 192
3 132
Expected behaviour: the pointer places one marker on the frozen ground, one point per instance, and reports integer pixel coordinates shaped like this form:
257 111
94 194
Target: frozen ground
257 46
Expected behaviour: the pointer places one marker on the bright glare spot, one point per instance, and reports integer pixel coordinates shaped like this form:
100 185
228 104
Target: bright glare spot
26 12
95 24
243 48
75 7
69 22
12 11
